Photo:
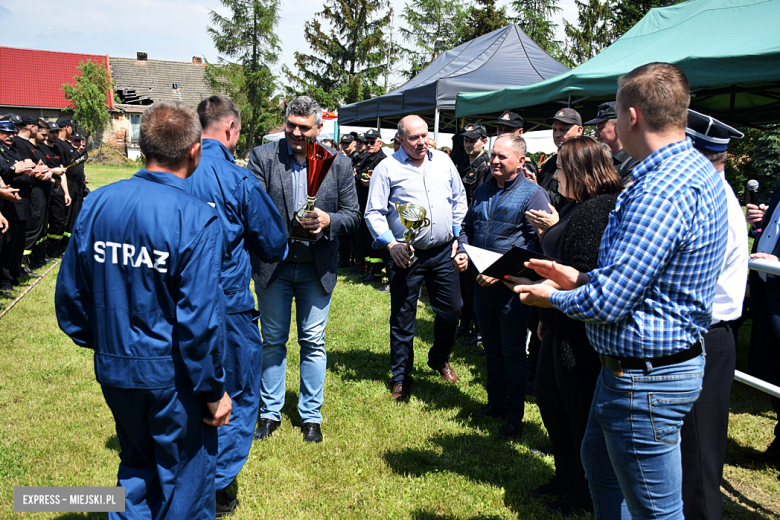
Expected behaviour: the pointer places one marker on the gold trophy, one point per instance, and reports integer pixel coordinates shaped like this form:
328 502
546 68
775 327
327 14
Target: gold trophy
413 218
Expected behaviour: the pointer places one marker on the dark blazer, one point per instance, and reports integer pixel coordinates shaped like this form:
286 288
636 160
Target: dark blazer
769 292
271 164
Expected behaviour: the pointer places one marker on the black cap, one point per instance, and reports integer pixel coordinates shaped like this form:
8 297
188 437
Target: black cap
13 118
373 134
395 138
568 116
477 131
605 113
77 136
27 119
347 138
709 133
361 137
53 126
63 121
510 119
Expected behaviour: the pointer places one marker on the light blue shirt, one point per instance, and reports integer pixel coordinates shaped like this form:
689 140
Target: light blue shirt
436 186
299 180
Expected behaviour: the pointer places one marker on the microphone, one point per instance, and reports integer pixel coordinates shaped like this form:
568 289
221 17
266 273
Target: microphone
751 193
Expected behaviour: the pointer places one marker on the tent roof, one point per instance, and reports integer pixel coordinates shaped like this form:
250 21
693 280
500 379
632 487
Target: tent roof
501 58
728 49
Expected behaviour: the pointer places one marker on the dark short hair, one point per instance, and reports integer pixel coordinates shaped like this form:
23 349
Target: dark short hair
589 171
168 130
713 157
660 91
215 108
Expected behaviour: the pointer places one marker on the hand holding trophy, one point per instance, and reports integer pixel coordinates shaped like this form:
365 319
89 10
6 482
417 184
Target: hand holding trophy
318 163
413 218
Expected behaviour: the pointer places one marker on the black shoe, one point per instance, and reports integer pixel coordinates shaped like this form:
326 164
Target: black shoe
6 294
487 411
571 505
771 454
384 288
312 432
226 503
368 277
474 340
29 272
553 487
477 352
463 330
512 429
266 429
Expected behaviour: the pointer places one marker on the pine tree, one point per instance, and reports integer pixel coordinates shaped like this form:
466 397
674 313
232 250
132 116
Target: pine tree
593 32
89 96
534 17
428 21
483 18
248 38
347 61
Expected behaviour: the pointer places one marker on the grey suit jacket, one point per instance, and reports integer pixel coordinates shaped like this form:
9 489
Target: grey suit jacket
271 164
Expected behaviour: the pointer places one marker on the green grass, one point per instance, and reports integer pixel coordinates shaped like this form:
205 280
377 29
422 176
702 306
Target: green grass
423 460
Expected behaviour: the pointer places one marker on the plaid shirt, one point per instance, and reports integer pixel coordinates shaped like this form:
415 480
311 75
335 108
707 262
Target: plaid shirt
659 259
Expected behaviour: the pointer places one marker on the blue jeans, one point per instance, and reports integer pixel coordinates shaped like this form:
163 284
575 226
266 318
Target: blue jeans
631 449
299 281
502 322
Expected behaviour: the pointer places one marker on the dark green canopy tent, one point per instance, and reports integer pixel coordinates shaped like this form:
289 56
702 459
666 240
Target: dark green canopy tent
728 49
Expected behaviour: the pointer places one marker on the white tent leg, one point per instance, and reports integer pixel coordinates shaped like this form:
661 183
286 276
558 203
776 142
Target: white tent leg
436 127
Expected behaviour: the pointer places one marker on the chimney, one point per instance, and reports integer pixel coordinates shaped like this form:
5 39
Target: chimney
197 60
140 56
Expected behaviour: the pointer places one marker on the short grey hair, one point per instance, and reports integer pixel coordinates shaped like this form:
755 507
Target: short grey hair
607 149
304 106
168 130
517 144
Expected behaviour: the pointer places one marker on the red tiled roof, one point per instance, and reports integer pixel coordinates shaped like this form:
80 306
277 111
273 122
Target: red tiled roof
45 72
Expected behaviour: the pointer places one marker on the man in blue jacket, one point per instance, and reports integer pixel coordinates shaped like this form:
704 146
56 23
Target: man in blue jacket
496 222
140 284
250 222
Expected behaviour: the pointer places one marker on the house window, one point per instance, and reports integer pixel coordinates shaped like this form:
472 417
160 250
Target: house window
135 127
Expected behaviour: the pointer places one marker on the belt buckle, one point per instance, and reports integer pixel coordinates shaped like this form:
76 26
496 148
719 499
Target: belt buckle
619 372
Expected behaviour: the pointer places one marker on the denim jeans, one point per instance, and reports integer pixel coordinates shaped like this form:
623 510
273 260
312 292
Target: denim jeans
301 282
631 449
502 322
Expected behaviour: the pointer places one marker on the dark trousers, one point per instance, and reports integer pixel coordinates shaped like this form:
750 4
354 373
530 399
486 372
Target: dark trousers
534 343
764 343
36 226
77 199
13 249
58 213
705 429
467 283
501 316
168 458
442 282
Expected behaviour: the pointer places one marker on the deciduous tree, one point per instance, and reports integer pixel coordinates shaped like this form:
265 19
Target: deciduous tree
89 96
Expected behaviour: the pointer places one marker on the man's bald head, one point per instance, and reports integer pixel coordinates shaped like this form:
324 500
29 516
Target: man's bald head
413 134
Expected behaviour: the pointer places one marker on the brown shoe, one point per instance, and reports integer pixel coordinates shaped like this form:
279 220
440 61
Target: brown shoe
401 392
446 372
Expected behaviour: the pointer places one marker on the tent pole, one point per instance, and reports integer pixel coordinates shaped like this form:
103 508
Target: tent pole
378 123
436 127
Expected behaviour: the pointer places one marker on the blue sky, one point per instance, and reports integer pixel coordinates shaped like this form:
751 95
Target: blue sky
165 29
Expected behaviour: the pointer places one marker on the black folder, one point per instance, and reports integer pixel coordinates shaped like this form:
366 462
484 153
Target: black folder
512 264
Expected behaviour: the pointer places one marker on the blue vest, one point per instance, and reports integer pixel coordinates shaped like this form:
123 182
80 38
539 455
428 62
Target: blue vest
498 216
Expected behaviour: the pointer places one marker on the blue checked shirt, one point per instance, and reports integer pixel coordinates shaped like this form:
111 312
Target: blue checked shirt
660 256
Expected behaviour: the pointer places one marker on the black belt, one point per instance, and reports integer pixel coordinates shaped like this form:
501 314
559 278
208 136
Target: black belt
617 364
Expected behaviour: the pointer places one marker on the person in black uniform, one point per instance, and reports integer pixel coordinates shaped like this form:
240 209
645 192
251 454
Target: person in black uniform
17 172
358 156
76 183
348 248
26 143
373 156
9 195
347 145
605 121
512 123
473 174
59 196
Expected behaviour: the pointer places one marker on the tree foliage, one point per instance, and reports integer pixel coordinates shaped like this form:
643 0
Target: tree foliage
754 157
349 58
89 96
248 47
628 12
426 22
534 17
593 32
483 18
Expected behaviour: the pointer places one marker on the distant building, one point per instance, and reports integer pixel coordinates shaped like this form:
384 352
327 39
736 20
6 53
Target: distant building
31 81
140 82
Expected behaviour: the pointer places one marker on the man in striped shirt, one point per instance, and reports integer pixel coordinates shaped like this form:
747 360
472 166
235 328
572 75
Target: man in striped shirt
648 302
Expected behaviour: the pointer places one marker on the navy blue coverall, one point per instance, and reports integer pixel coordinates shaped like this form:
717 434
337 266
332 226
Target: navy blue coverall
250 222
140 283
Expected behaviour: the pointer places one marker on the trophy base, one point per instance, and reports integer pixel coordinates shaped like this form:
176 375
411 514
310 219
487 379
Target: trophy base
298 233
409 269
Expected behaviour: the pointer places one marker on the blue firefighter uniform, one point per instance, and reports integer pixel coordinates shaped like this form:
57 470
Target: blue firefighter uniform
250 223
140 283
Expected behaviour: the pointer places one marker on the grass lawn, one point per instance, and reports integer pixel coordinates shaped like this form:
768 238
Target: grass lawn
422 460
